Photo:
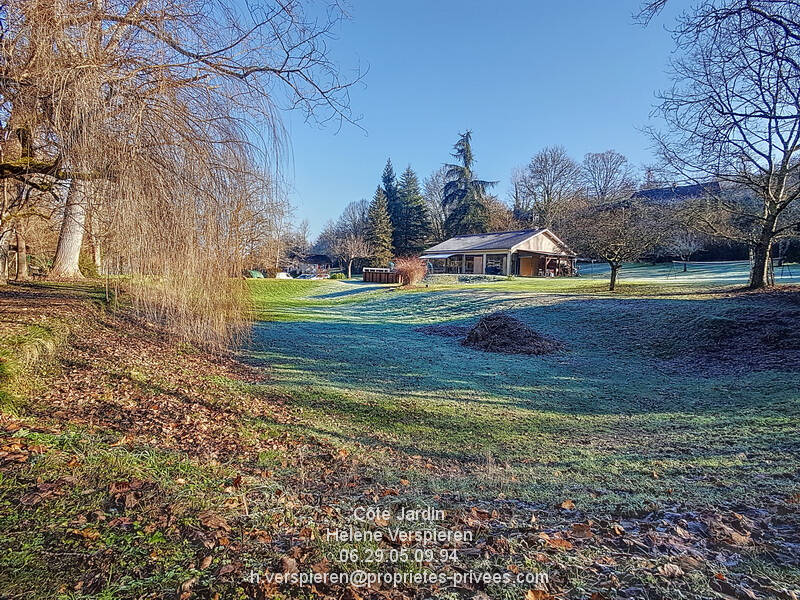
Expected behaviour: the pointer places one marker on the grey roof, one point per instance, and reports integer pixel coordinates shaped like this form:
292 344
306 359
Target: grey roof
502 240
679 192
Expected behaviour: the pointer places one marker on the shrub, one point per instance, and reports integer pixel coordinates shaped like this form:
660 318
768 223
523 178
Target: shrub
411 270
338 276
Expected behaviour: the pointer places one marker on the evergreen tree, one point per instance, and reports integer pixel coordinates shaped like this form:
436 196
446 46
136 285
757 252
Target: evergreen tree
415 225
389 184
464 194
379 229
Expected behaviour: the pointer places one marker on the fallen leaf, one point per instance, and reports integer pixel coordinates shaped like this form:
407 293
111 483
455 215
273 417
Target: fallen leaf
670 570
560 543
288 565
582 530
567 505
213 521
538 595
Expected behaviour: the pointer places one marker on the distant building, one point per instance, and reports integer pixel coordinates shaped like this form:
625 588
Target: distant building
524 253
679 193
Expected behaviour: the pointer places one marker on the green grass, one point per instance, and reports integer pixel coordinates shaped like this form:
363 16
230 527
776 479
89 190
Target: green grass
75 527
21 353
605 422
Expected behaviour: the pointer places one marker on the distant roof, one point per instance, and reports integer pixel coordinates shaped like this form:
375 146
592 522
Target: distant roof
679 192
317 259
501 240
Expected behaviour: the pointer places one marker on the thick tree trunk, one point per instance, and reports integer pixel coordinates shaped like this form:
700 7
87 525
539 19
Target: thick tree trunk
613 283
349 268
761 255
22 256
68 251
760 270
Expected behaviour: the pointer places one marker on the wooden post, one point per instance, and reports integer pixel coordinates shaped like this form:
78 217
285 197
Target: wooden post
508 264
483 265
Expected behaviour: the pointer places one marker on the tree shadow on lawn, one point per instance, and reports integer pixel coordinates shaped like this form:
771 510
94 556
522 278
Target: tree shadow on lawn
355 287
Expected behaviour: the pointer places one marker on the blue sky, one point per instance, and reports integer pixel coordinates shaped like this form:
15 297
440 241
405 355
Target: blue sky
521 75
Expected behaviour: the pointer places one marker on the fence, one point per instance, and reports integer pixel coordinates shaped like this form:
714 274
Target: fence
378 275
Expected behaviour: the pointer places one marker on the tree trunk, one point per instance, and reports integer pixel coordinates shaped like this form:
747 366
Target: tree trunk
349 268
4 258
685 265
759 273
613 283
94 243
68 251
22 256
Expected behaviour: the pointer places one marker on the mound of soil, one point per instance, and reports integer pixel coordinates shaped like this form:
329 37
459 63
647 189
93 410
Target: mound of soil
500 332
741 341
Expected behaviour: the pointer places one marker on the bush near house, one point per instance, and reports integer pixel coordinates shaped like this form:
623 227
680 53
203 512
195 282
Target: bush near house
411 270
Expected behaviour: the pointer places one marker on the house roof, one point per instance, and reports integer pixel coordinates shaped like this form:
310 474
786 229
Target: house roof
501 240
678 192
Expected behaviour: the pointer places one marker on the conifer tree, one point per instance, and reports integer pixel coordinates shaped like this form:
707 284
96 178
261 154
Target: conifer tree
379 229
389 185
464 194
415 225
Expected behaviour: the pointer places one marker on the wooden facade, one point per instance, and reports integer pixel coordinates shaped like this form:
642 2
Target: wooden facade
378 275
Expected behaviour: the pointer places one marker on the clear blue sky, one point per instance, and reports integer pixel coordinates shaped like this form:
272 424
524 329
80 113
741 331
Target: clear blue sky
521 75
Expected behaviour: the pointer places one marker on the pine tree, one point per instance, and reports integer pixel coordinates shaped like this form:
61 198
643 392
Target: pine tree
389 184
464 194
415 225
379 229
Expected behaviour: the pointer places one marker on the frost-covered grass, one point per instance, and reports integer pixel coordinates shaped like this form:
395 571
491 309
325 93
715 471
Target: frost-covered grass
605 422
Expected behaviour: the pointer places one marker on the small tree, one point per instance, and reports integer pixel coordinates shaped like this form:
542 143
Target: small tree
618 232
683 244
348 248
379 230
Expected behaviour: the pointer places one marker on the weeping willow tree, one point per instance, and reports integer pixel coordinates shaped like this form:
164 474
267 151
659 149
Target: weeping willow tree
159 119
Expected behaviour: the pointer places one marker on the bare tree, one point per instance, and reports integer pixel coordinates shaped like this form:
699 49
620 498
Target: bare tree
350 247
619 231
607 175
501 217
550 183
684 243
433 193
355 218
521 200
734 117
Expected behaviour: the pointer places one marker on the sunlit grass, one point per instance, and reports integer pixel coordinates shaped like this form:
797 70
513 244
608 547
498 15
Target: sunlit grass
603 422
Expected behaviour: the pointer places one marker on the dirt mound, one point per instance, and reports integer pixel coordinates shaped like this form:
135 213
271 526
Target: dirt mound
738 342
500 332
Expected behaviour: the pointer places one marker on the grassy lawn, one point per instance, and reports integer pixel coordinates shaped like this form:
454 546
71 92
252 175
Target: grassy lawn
134 466
620 420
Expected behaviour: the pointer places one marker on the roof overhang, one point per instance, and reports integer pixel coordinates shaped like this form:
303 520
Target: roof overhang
439 255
